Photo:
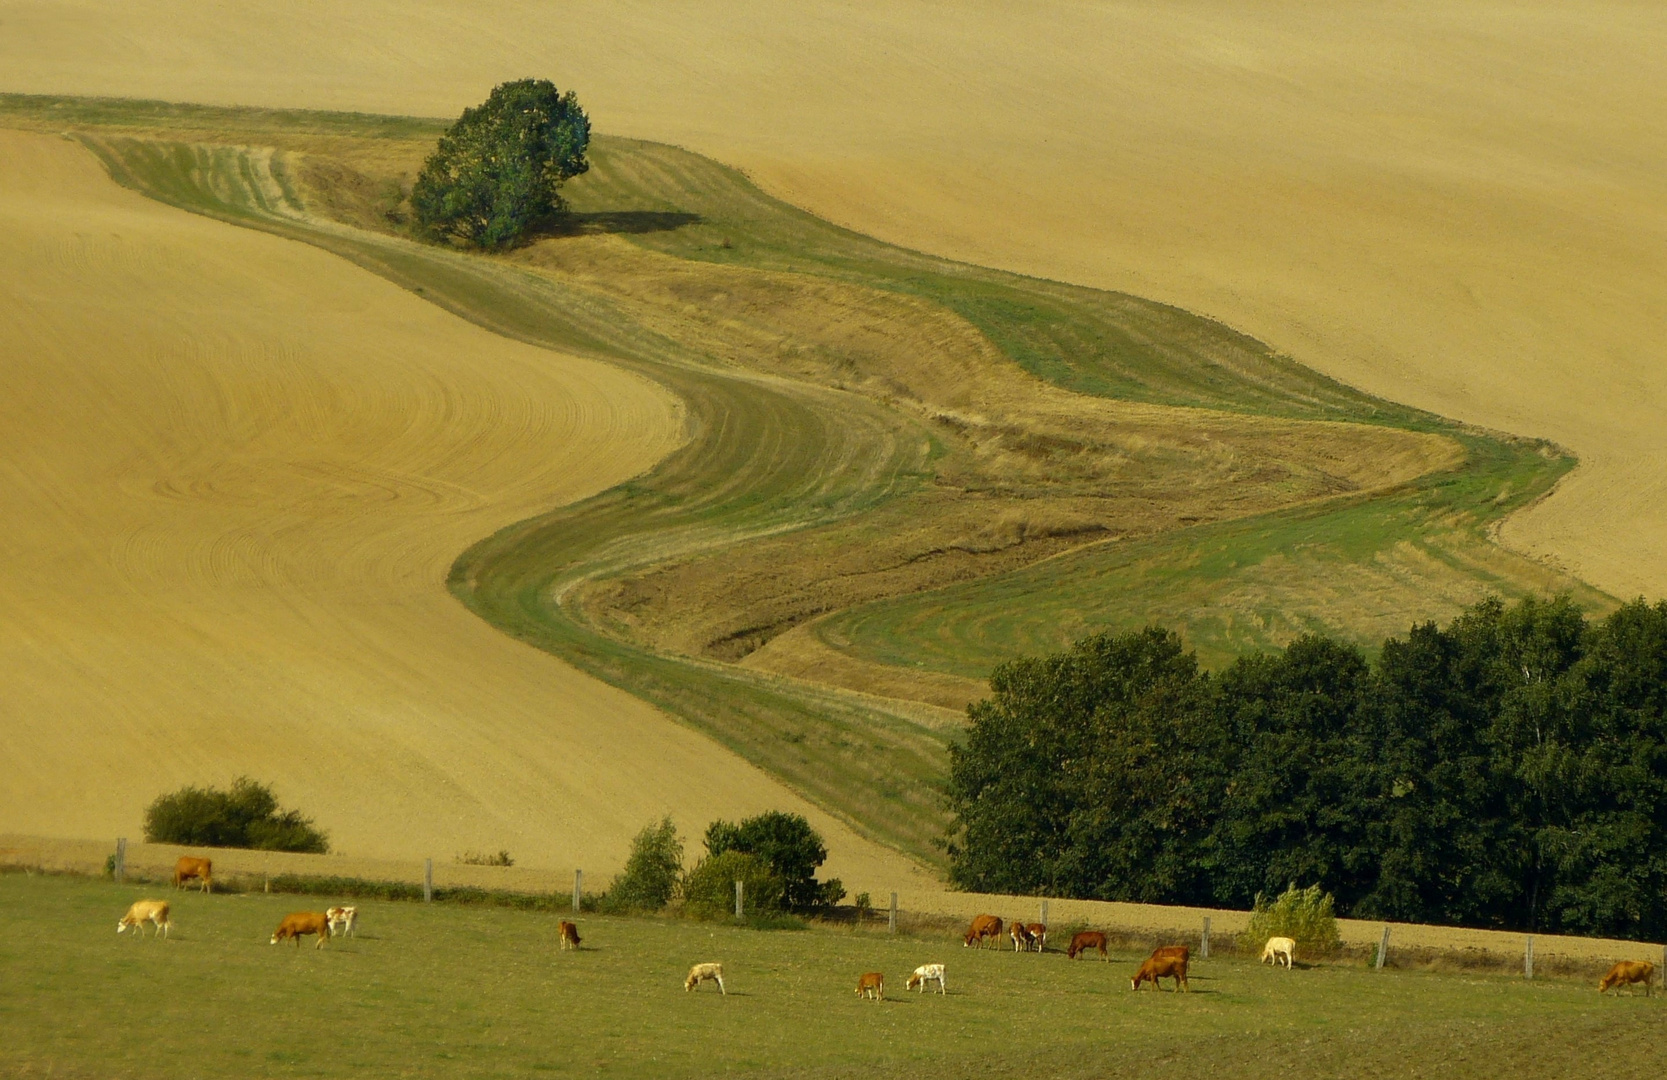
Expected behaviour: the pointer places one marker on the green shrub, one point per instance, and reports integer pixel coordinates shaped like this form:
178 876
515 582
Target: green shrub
482 858
649 879
709 889
247 816
792 849
1304 915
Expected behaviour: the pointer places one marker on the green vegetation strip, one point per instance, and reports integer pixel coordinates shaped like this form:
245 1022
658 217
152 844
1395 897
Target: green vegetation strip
461 992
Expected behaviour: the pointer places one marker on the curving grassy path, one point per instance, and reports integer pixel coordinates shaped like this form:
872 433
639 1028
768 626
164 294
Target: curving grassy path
790 465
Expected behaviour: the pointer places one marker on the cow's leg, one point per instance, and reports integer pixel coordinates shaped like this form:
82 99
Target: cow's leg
721 989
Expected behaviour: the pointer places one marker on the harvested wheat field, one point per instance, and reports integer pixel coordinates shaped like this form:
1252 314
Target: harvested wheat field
1457 207
237 471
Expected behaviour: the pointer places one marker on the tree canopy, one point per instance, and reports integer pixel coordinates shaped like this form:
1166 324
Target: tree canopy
1507 770
497 172
789 846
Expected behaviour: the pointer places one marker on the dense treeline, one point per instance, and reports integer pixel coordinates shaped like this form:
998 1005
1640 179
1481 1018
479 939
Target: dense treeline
1508 770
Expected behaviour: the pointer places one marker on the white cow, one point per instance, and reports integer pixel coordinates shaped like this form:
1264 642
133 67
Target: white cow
924 974
154 912
1278 947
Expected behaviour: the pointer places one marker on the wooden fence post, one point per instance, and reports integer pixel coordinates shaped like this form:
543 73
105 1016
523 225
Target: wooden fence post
120 869
1528 958
1383 948
739 893
428 881
1044 914
1204 942
891 924
578 887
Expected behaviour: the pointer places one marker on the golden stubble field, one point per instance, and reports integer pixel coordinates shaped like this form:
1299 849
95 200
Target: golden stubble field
236 472
1458 206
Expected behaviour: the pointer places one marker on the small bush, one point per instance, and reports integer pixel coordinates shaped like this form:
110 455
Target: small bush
479 858
649 879
1304 915
709 889
865 906
792 849
247 816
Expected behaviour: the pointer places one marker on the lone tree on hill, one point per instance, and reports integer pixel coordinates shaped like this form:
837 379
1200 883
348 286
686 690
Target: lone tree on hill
497 172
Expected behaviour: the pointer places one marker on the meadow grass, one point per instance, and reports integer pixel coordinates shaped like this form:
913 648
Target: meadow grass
441 990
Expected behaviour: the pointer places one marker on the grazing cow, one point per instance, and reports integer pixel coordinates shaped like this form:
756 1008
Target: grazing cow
702 972
298 924
924 974
872 984
1181 951
1038 936
1279 947
984 927
1631 973
154 912
1020 936
343 920
569 935
201 869
1162 967
1088 939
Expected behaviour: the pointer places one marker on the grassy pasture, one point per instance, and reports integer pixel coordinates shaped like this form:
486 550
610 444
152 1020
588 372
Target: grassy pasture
458 992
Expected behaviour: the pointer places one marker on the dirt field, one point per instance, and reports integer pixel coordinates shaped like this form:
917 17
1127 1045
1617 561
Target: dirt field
1455 207
237 472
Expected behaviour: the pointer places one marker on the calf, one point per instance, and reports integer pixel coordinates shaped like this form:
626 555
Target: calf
301 923
702 972
1088 939
1279 947
924 974
1631 973
154 912
569 935
201 869
343 920
1162 967
1020 936
872 984
983 927
1038 936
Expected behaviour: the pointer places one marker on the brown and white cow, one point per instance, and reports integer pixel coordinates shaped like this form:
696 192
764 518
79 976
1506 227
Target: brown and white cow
569 935
924 974
1162 967
1630 973
1088 939
301 923
343 920
985 927
154 912
1038 936
188 867
871 984
1020 936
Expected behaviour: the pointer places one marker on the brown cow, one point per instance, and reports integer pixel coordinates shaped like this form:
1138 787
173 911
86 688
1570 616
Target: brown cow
872 984
983 927
1020 936
1038 936
1162 967
300 923
1181 951
1088 939
569 935
1631 973
201 869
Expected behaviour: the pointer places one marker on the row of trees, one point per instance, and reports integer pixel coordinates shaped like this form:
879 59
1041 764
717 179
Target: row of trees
774 855
1507 770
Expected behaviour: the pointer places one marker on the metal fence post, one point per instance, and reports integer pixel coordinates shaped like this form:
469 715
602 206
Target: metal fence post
1383 948
891 924
1528 958
578 887
120 870
428 881
1204 942
739 890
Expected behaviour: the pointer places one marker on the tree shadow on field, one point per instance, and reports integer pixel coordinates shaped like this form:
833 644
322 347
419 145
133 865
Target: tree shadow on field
627 222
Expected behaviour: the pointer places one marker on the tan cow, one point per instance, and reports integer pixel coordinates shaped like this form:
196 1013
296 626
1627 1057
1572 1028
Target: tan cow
1278 947
1630 973
871 984
188 867
301 923
569 935
984 927
703 972
154 912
